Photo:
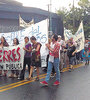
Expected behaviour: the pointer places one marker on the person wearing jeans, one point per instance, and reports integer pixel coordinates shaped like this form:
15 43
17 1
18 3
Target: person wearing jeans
53 60
56 67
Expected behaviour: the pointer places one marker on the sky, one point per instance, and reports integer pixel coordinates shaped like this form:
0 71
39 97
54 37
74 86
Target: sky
43 4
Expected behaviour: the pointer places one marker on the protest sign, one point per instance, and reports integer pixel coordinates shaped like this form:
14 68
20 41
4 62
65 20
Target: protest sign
39 30
67 34
78 37
11 58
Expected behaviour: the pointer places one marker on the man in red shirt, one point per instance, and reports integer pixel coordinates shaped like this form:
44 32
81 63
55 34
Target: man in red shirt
53 60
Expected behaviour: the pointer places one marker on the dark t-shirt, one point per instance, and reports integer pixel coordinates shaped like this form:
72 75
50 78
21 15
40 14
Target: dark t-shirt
36 55
27 54
70 51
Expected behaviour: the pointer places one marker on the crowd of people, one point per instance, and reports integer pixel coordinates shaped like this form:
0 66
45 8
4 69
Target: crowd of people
61 54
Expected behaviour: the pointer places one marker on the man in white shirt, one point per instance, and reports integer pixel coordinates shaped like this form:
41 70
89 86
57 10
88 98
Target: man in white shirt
62 44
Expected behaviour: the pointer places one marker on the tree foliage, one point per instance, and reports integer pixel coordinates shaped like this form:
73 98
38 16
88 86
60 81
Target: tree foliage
72 18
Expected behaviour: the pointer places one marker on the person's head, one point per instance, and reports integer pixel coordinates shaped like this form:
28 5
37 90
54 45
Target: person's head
15 41
33 39
3 41
54 38
86 41
71 39
26 39
70 44
59 38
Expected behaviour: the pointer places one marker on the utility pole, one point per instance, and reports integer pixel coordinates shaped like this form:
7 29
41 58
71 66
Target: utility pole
50 18
73 17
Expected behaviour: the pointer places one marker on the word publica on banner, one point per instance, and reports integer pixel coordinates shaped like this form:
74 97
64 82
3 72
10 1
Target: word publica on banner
10 55
14 66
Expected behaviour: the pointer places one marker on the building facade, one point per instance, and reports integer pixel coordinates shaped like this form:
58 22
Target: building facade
9 17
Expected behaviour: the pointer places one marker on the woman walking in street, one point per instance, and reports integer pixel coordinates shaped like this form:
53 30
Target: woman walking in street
36 59
3 44
14 73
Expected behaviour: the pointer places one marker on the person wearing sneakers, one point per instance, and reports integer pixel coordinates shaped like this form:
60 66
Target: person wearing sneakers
53 60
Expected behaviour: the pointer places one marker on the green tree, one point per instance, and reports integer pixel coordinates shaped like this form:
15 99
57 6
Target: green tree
85 7
77 13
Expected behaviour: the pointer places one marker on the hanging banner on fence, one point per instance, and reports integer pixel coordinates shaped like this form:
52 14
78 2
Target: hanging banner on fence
22 23
78 37
11 58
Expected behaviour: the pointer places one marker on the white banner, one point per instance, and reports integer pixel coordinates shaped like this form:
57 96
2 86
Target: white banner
11 58
39 30
67 34
22 23
78 37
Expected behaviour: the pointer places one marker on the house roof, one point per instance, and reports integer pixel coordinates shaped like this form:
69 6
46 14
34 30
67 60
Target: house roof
16 7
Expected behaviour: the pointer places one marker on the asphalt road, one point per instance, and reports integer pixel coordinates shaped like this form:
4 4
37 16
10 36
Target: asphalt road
74 85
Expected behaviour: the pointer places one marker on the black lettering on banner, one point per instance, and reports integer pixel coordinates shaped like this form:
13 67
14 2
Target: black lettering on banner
14 66
78 42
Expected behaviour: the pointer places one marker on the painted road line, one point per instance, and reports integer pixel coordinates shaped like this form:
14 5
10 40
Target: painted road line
75 66
26 82
19 82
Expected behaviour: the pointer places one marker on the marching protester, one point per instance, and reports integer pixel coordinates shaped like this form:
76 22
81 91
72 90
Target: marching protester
51 56
66 59
45 69
72 40
14 73
3 44
36 59
71 54
86 51
53 60
27 58
62 55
